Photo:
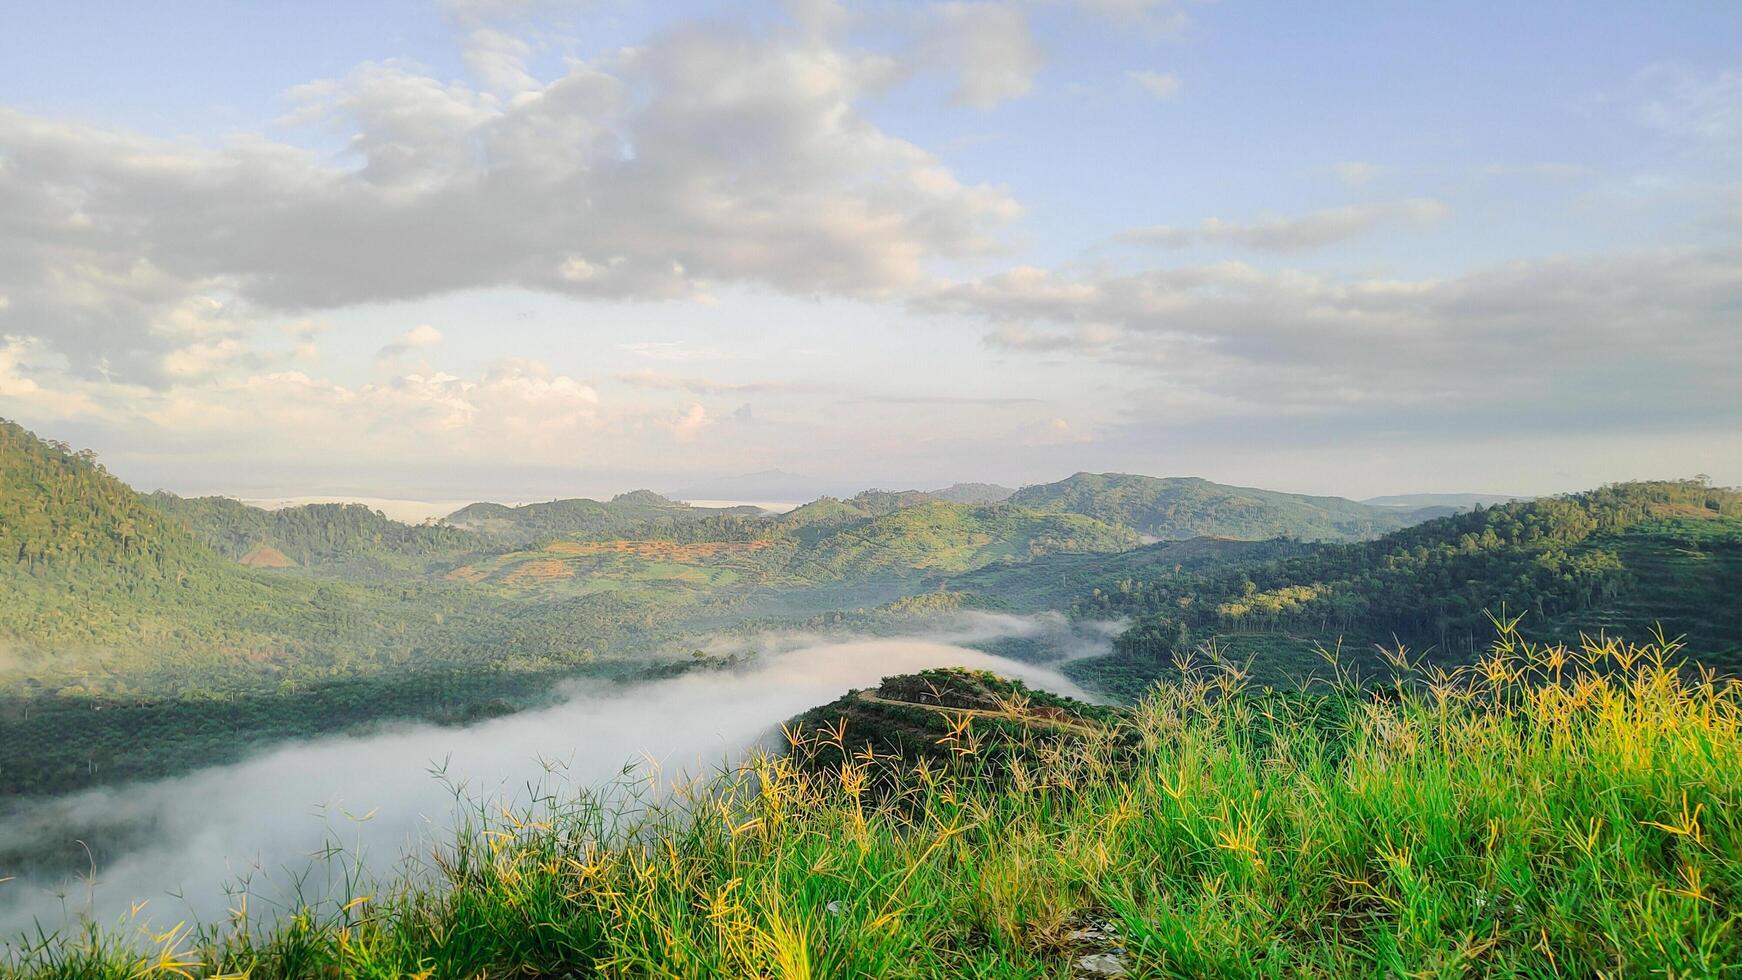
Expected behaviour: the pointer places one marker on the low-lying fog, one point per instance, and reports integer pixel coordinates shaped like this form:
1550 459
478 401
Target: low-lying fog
180 842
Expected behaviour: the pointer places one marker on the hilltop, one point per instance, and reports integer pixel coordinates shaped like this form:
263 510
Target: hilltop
914 717
351 540
636 512
1187 507
1626 558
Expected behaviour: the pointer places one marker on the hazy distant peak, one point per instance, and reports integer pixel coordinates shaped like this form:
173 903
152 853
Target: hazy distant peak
644 497
1461 500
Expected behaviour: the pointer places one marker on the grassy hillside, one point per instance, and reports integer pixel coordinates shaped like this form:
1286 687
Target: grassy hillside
1554 812
1188 507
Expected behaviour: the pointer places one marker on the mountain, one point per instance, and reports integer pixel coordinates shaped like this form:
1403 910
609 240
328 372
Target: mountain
86 562
639 511
1187 507
1458 501
973 493
1624 559
942 537
348 539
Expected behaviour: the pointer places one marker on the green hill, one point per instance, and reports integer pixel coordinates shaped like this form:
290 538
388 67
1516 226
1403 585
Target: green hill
941 537
1622 558
639 512
826 541
85 562
1187 507
346 539
972 493
912 716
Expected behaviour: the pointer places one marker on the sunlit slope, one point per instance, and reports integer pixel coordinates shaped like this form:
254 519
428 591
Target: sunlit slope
909 542
85 562
1187 507
349 540
639 513
106 594
1621 558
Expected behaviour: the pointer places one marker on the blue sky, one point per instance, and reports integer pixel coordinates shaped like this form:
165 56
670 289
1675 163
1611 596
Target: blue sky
518 248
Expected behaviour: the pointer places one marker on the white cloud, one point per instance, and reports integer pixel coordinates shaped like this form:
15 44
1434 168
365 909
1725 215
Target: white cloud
1295 234
1159 85
498 61
701 157
690 424
418 337
1688 102
203 359
987 44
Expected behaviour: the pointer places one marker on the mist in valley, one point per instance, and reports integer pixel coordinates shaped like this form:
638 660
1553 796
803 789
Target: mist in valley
294 822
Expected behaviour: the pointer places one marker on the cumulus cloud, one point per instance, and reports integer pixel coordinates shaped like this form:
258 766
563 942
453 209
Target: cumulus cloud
690 423
1295 234
702 157
1159 85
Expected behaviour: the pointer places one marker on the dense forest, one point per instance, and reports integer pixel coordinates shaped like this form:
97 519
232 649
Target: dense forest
1188 507
1622 558
349 539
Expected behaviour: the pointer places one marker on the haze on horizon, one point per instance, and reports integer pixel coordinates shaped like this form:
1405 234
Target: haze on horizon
517 249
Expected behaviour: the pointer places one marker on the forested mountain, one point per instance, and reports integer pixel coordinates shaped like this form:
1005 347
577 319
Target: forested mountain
946 537
83 559
60 510
972 493
879 503
349 538
640 512
1177 508
1624 557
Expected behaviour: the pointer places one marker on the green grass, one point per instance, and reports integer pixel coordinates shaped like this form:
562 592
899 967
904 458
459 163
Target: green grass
1545 812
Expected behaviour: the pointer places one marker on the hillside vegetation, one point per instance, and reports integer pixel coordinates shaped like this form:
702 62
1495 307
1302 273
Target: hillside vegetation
1188 507
1548 811
637 513
343 539
1625 558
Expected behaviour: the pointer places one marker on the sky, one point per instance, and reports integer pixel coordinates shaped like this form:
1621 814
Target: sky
517 249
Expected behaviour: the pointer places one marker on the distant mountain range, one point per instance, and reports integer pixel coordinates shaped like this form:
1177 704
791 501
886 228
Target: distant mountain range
1461 501
1176 508
106 593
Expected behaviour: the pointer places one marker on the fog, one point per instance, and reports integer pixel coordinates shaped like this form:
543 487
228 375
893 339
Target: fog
181 843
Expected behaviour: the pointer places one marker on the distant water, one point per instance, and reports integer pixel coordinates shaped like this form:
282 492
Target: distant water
377 797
